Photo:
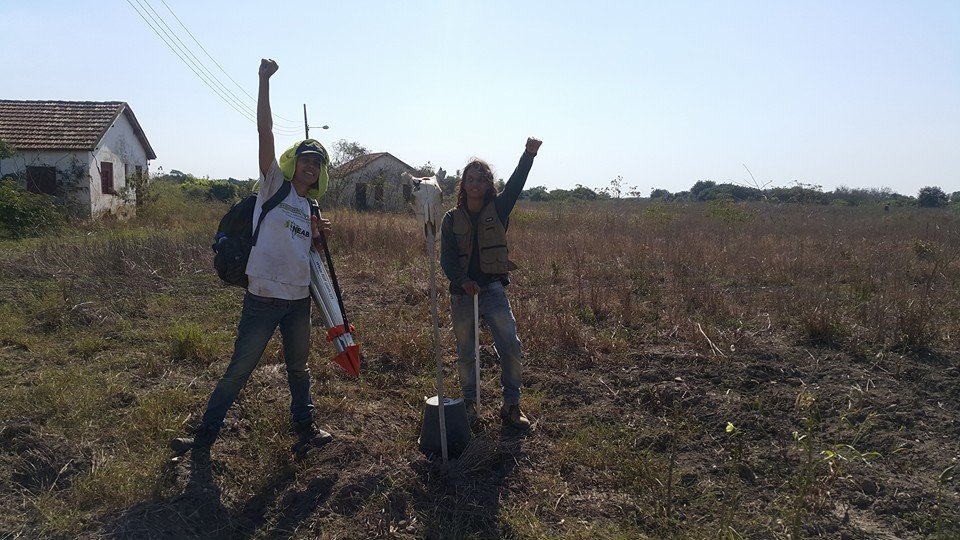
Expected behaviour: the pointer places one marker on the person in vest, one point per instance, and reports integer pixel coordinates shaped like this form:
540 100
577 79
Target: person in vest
473 255
279 277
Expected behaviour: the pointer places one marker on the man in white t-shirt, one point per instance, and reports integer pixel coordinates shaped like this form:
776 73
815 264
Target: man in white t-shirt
278 270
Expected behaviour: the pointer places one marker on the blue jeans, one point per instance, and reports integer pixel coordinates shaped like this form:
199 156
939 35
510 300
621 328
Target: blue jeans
495 310
260 317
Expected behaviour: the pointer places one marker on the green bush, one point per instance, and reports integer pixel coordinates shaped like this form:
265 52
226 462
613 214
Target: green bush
26 214
210 190
196 188
222 191
932 197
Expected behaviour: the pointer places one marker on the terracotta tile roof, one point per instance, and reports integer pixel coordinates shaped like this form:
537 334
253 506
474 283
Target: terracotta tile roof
63 125
358 163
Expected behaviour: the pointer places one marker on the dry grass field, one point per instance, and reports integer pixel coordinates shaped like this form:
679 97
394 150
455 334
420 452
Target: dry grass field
700 371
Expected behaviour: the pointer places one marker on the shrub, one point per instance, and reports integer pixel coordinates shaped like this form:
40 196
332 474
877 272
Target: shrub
932 197
26 214
196 188
223 191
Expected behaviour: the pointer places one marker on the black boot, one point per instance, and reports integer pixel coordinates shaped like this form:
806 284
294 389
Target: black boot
202 440
309 436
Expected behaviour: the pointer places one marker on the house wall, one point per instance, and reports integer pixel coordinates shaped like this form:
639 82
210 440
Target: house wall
78 172
73 175
121 147
383 171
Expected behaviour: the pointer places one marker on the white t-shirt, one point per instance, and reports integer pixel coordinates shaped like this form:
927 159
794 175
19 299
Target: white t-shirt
279 264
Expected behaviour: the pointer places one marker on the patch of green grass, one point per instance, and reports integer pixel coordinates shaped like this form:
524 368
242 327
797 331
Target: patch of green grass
58 517
521 522
611 452
13 327
87 346
533 399
159 415
74 399
191 343
48 306
118 483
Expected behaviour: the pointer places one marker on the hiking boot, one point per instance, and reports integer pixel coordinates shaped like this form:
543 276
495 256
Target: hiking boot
309 434
202 440
512 416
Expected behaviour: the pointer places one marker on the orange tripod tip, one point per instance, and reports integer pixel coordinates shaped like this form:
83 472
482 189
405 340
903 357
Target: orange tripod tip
350 360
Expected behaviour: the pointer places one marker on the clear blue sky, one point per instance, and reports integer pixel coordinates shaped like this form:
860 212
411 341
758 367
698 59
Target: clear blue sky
855 93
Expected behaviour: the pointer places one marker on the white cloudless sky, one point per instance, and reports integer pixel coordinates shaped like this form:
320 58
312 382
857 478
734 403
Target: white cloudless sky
853 93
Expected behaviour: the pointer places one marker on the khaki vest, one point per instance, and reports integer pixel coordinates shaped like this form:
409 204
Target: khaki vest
492 238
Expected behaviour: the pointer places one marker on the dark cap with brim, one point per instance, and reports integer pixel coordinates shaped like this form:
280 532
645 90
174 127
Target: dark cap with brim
311 146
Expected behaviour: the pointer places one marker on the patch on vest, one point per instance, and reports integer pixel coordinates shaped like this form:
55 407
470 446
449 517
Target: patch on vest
488 220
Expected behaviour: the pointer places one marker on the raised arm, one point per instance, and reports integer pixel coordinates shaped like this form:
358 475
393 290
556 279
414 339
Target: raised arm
511 192
264 116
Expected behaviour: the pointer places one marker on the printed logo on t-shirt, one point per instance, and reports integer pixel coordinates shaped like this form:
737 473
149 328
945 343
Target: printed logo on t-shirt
296 230
292 210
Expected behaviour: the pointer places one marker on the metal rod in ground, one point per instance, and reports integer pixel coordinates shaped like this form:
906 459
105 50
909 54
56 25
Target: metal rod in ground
476 343
431 242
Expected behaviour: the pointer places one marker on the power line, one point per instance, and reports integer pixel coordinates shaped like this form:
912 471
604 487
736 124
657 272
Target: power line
182 59
226 92
242 89
196 61
211 81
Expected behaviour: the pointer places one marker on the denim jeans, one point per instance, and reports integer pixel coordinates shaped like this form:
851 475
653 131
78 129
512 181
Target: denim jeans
260 317
495 310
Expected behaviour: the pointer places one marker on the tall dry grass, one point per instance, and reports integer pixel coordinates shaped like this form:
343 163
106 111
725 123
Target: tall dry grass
823 275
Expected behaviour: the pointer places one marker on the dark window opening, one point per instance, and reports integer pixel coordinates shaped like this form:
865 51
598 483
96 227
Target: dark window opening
106 178
42 180
360 197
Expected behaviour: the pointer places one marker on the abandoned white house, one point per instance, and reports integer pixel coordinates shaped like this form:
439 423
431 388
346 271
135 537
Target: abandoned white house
372 182
82 152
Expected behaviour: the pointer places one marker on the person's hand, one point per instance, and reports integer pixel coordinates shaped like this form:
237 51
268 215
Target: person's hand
268 67
533 145
318 225
470 287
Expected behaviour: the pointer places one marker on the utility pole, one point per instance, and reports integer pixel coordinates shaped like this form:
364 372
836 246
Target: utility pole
306 126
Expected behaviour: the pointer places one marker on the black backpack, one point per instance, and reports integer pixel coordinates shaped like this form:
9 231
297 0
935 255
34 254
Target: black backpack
236 236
